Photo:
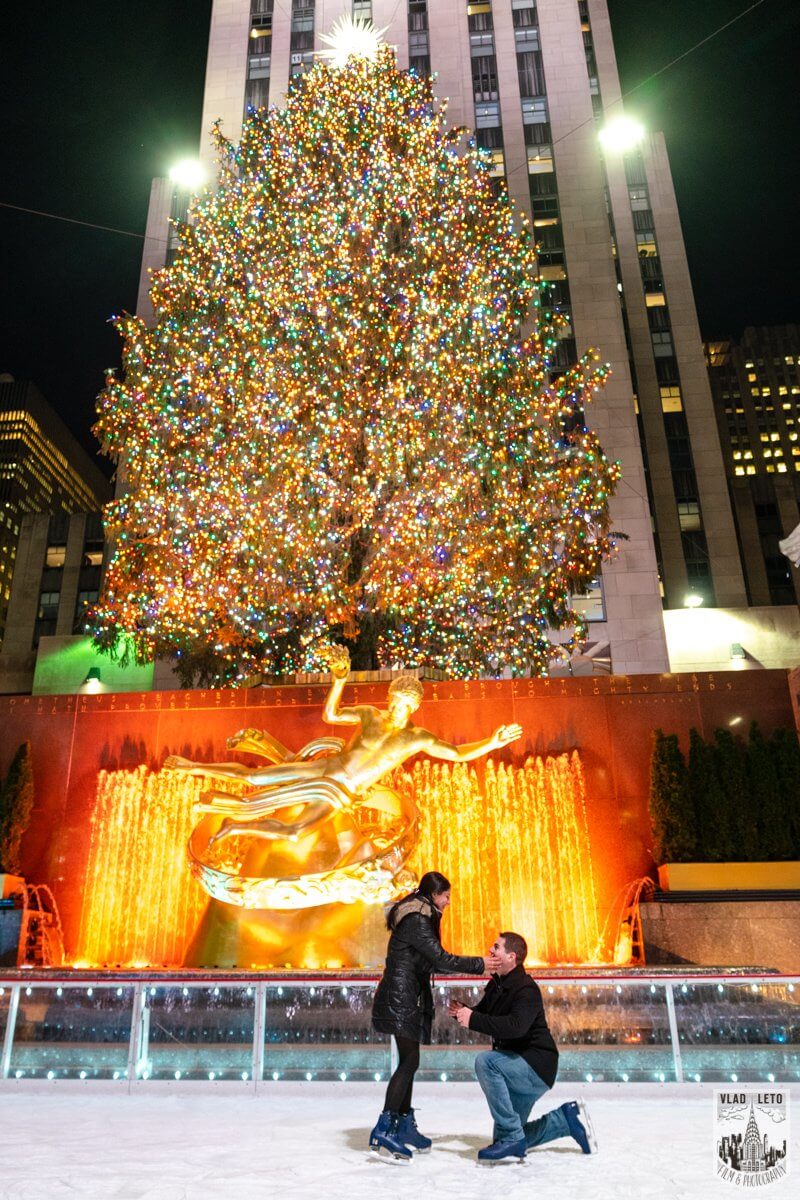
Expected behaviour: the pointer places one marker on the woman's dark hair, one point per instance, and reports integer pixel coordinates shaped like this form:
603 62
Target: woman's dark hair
432 884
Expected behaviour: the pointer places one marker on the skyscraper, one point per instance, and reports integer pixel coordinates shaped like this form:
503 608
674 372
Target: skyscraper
534 81
755 382
42 470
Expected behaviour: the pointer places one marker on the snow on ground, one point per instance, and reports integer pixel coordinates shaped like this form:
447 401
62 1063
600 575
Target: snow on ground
308 1141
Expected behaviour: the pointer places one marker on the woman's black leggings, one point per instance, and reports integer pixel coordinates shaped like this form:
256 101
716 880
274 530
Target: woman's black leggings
398 1093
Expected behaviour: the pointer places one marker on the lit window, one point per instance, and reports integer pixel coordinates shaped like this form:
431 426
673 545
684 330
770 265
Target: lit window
771 468
740 470
754 392
752 378
749 365
654 299
671 399
748 453
766 391
767 453
751 470
783 391
774 437
789 359
689 515
737 454
56 556
782 468
764 437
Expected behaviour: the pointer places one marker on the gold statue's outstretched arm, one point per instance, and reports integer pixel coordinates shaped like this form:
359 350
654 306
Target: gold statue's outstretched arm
338 660
501 737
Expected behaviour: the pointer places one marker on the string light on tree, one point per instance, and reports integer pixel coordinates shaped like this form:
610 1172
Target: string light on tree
334 427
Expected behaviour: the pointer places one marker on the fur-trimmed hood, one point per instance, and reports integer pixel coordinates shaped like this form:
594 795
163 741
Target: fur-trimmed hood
413 904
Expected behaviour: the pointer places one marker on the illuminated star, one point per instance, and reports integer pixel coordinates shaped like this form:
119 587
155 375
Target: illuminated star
351 38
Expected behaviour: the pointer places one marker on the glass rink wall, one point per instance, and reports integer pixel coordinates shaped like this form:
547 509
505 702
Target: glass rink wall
621 1029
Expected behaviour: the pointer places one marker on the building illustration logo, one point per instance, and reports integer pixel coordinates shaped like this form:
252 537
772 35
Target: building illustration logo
751 1137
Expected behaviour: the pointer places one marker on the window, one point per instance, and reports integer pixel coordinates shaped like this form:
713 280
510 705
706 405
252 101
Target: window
654 299
56 556
640 200
84 602
479 18
523 13
484 77
671 399
662 344
531 74
486 115
689 515
540 158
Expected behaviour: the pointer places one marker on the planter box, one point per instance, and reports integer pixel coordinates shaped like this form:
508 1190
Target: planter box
729 877
10 885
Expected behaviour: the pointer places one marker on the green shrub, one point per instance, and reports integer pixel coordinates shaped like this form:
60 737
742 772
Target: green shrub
674 826
16 804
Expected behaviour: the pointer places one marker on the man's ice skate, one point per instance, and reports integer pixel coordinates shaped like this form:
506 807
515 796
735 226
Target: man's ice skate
580 1125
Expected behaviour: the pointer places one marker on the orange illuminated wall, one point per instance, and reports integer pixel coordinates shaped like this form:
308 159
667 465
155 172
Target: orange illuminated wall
541 839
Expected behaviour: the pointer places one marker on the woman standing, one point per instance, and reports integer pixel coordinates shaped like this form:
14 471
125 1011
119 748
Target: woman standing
403 1004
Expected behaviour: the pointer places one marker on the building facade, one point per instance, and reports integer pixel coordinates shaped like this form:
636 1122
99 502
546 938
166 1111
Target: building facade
57 578
535 80
755 383
42 470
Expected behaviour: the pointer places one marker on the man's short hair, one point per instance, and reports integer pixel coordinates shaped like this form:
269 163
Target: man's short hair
515 944
409 687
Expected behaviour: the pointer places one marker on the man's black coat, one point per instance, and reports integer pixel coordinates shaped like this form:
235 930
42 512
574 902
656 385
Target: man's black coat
512 1013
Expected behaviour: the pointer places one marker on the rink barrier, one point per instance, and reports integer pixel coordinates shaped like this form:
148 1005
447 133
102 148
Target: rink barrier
140 1031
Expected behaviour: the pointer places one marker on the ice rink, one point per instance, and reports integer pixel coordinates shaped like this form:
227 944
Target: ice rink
307 1141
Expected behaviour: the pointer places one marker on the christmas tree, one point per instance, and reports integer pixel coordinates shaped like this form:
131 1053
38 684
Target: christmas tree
337 427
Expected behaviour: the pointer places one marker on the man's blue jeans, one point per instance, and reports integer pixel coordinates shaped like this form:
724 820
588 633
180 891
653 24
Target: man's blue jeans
512 1087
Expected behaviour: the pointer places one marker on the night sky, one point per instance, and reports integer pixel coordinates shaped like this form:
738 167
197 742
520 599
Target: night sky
100 98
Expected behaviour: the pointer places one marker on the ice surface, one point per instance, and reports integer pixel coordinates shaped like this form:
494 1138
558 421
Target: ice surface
308 1142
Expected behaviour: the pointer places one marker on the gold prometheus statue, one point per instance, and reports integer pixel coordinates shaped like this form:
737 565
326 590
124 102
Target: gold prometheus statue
321 812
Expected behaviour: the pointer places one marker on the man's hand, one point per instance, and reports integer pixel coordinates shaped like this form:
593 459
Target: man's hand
490 963
337 659
461 1013
506 734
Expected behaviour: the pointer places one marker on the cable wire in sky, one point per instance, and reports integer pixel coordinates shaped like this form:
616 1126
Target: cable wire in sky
667 66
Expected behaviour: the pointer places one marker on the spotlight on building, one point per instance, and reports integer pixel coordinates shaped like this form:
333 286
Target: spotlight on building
92 682
692 600
189 174
621 134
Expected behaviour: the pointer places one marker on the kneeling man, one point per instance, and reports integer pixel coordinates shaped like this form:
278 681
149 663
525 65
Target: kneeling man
523 1061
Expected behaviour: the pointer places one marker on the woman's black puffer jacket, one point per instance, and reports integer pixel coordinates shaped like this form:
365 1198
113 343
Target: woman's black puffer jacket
403 1002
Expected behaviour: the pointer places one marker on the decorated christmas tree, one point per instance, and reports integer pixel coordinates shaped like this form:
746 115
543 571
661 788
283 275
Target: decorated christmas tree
345 422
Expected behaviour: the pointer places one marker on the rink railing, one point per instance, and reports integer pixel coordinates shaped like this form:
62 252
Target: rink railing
139 1031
